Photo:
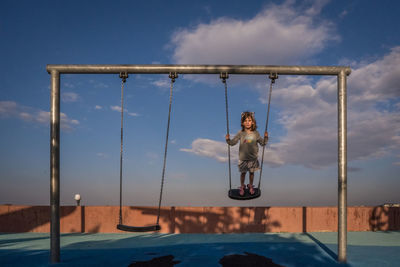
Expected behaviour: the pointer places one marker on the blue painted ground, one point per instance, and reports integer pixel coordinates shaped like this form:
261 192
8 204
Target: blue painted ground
310 249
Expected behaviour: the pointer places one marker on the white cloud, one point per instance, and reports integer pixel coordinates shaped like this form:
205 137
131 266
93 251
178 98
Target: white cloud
118 108
7 108
278 34
98 107
44 116
133 114
316 7
343 14
68 85
25 116
209 148
284 34
373 134
12 109
308 114
376 81
162 83
69 97
219 151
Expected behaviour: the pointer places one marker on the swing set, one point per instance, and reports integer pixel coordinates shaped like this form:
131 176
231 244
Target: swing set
173 70
233 193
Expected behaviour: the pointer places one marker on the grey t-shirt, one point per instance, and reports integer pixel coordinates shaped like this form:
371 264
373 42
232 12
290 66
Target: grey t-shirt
248 148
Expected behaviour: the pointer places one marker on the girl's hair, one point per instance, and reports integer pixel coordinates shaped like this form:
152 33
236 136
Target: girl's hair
248 114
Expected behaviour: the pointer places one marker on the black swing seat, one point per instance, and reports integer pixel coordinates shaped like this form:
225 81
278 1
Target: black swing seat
234 194
149 228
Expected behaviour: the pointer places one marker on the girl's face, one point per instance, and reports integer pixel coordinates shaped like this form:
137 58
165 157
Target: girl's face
247 123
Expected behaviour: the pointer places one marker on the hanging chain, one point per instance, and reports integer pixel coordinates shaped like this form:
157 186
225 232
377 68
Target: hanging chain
272 77
123 76
223 76
172 76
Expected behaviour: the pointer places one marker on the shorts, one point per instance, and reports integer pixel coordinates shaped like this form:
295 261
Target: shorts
248 165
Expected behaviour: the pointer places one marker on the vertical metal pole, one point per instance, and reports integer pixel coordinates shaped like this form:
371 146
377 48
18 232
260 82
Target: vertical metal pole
342 167
55 168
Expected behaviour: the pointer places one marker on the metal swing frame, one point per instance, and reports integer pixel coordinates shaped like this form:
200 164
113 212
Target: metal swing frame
341 72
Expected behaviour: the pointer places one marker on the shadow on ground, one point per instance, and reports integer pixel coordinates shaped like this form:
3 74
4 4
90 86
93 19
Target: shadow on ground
187 249
249 259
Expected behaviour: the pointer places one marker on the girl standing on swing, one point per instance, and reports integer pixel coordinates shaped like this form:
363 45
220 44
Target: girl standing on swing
248 149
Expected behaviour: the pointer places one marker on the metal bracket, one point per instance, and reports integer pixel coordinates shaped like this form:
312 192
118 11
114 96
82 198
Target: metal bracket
173 76
123 76
273 77
224 76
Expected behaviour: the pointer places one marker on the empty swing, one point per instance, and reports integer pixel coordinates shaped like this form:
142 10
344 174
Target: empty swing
234 193
157 226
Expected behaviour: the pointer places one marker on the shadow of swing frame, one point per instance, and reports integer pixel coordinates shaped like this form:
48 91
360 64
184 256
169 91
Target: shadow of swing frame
341 72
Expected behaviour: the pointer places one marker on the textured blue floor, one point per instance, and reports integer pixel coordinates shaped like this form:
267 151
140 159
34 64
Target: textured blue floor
311 249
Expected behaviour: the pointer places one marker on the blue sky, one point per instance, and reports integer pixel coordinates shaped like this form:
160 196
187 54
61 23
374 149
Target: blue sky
300 165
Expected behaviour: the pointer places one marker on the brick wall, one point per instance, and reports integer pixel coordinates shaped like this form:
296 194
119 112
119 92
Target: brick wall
103 219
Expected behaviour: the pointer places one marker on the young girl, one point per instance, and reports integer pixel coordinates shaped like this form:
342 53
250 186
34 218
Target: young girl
248 149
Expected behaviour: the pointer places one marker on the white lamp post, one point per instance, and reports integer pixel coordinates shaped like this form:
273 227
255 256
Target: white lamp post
78 199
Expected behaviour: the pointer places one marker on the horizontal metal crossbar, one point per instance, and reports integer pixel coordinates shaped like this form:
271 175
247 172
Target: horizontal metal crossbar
200 69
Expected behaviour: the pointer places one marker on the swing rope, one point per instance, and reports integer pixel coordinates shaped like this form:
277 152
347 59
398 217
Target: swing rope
273 77
225 76
172 76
